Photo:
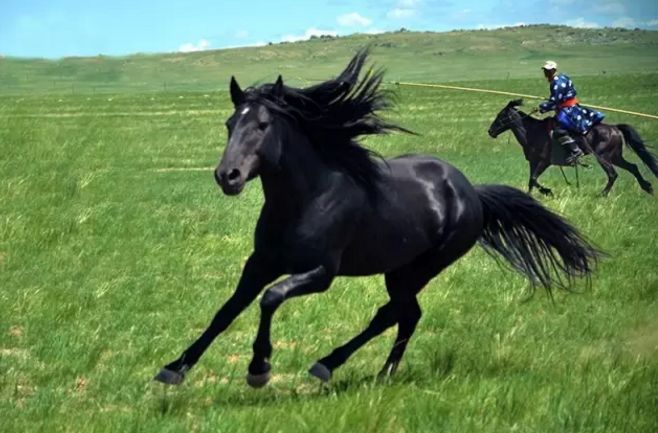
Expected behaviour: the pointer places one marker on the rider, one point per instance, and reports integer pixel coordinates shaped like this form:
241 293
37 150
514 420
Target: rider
570 116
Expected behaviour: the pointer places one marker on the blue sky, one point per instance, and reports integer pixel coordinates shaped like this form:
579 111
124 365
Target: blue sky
57 28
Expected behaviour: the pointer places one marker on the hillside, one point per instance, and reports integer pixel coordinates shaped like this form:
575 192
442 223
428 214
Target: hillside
417 56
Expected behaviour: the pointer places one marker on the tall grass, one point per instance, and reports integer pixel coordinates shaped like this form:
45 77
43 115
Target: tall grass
116 248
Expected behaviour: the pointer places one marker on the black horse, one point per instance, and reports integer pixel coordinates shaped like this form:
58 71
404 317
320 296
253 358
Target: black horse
606 142
331 209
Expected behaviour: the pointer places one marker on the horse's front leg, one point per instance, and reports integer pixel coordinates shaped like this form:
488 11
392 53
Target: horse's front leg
257 273
537 167
316 280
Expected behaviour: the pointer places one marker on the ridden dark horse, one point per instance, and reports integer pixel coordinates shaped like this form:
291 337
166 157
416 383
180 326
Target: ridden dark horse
331 209
606 142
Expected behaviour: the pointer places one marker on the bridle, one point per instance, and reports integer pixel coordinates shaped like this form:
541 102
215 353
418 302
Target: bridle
508 120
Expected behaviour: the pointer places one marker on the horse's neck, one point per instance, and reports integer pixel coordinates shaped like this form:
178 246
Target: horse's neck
523 134
297 179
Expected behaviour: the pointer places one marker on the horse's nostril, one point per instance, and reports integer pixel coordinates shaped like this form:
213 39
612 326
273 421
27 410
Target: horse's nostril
233 174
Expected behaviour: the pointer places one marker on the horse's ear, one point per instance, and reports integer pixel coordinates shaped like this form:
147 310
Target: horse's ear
277 90
515 103
237 95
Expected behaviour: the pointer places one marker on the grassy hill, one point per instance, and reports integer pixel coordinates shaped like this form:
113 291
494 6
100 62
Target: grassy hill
418 56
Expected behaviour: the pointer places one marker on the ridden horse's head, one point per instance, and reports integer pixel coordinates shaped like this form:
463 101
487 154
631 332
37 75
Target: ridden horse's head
254 138
507 118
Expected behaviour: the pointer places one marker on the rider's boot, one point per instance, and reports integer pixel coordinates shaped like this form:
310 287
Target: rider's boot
576 152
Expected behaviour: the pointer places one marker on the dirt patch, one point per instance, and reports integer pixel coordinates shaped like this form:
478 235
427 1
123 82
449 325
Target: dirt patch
81 384
169 169
14 353
15 331
644 341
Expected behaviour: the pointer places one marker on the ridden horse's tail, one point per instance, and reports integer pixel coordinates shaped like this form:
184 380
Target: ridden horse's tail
635 142
533 240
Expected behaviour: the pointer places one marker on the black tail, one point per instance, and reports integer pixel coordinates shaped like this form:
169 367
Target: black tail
533 240
635 142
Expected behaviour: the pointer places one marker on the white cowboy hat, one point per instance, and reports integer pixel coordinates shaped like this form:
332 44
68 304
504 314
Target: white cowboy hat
550 64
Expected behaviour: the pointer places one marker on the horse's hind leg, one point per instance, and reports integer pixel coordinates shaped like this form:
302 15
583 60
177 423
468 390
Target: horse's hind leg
403 285
403 309
385 317
610 172
398 285
632 168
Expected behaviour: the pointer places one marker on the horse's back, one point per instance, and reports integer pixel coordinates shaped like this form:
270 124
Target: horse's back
604 137
421 199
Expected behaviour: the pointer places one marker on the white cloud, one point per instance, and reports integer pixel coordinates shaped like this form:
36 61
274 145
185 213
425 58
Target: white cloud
241 34
248 44
374 31
354 19
610 7
401 13
408 3
498 26
307 35
404 9
190 47
626 22
652 23
582 23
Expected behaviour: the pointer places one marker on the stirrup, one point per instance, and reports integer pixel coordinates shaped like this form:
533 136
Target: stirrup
573 158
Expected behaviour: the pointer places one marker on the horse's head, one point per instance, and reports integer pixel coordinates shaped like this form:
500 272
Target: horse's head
254 139
506 119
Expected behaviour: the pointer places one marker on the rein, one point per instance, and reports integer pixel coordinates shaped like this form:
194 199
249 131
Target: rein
509 121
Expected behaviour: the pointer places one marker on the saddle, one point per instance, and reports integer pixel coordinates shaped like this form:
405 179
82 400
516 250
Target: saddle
559 154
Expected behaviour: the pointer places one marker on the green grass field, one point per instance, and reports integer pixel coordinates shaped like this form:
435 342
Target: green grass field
117 247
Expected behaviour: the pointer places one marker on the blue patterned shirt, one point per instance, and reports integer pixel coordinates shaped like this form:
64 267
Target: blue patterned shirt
575 118
561 88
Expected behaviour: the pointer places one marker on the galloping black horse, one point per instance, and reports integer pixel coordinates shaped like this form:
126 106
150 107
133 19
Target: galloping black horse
604 141
331 209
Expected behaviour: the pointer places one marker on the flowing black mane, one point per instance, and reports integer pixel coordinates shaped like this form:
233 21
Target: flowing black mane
333 114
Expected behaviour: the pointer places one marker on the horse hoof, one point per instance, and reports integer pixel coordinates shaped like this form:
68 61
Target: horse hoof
258 380
320 371
388 371
169 377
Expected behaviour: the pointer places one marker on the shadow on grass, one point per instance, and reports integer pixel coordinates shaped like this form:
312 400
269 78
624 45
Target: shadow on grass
299 388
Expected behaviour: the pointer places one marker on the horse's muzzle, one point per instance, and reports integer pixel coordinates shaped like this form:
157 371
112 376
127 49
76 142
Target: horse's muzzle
231 181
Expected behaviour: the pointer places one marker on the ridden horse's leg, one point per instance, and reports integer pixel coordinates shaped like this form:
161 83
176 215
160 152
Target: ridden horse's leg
632 168
609 171
255 275
317 280
537 167
564 176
